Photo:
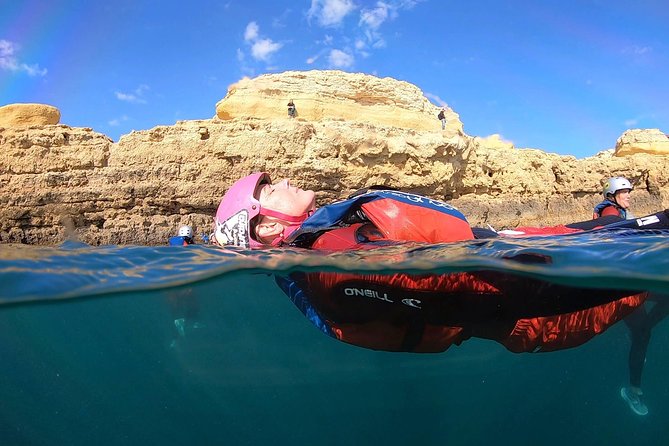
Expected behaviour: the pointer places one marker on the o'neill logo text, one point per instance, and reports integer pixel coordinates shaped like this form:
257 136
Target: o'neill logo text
365 292
374 294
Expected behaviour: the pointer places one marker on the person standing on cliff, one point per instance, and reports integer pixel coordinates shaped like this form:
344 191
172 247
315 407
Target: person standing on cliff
291 109
442 117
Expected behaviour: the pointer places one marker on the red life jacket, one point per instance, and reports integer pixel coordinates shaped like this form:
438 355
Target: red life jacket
430 312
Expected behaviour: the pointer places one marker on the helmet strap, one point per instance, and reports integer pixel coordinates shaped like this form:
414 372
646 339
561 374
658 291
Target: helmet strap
285 233
295 222
285 217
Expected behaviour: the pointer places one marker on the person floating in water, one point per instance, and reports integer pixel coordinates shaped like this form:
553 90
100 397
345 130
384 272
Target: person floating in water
183 238
183 304
640 324
641 321
616 199
405 312
292 111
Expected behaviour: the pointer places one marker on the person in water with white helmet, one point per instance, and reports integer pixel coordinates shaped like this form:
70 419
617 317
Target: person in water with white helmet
183 238
641 321
616 199
640 324
183 303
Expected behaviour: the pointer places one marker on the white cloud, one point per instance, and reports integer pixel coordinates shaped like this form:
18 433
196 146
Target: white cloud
407 4
264 48
241 58
312 59
436 99
281 21
126 97
330 12
9 62
261 49
637 121
7 49
251 32
340 59
135 97
33 70
374 18
117 121
379 43
361 48
637 50
361 40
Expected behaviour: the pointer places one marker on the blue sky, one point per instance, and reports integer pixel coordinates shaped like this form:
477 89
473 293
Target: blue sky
564 76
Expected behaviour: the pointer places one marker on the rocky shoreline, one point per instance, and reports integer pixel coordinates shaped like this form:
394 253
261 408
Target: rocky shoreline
59 182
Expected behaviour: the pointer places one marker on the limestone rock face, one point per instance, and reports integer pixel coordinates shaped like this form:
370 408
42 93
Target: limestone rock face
642 141
28 115
58 182
335 95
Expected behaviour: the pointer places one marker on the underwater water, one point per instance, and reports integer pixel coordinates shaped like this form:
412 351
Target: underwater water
91 353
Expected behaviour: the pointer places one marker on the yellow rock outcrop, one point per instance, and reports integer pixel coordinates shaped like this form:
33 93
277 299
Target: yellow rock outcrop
651 141
335 95
28 115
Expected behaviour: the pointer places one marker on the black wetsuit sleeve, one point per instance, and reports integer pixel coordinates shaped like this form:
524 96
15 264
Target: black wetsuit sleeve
591 224
658 220
482 233
364 190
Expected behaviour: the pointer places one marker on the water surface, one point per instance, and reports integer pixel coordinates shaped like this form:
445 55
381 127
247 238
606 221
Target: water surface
91 354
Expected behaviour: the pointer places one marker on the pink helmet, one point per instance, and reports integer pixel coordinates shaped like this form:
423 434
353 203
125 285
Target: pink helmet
239 206
232 225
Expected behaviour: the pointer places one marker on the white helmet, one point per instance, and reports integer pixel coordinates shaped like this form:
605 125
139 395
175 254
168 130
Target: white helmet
186 231
615 184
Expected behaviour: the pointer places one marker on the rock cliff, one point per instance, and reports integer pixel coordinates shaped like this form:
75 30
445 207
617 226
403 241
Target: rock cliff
334 95
352 130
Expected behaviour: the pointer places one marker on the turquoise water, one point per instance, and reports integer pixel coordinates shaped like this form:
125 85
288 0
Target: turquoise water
91 354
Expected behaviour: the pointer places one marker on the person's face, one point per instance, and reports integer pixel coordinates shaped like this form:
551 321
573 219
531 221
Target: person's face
286 198
623 198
